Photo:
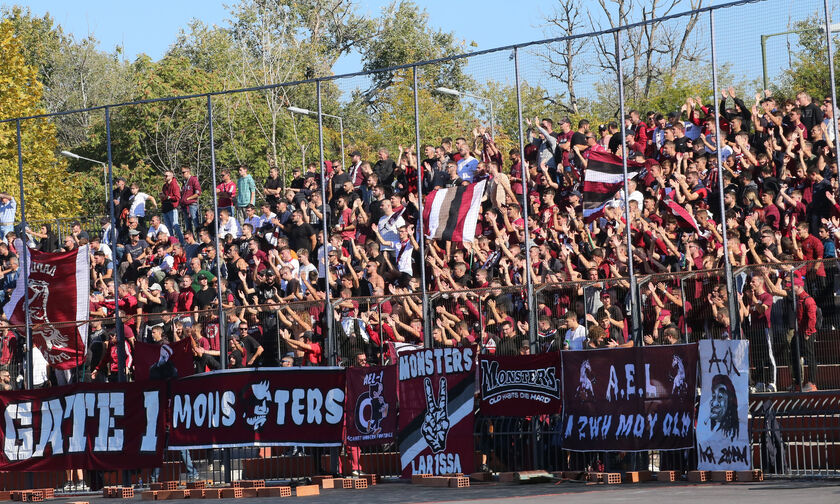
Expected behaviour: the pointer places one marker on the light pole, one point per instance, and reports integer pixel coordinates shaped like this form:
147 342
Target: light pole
455 92
102 163
298 110
833 28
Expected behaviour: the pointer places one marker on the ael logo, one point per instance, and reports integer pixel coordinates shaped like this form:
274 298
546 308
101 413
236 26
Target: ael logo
371 407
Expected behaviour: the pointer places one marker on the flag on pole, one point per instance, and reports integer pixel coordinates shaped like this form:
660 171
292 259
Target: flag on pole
604 177
59 304
684 219
452 214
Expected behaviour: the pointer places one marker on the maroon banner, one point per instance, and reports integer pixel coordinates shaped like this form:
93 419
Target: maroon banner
163 362
371 416
99 426
629 399
521 385
59 286
258 407
437 390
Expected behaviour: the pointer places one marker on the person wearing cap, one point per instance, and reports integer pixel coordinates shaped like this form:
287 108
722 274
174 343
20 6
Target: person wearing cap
613 314
354 171
806 315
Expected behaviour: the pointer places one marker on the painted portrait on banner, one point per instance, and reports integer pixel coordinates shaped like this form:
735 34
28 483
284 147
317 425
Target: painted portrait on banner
722 432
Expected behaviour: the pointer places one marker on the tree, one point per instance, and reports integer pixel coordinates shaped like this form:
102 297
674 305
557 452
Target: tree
565 21
46 180
809 69
405 36
75 74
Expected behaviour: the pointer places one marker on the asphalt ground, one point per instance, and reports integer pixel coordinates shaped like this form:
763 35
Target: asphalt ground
811 491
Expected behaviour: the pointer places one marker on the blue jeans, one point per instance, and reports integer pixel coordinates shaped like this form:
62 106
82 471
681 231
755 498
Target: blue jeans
170 219
192 472
190 217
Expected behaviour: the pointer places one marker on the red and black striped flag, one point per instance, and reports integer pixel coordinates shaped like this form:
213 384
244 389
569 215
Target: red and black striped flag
604 177
451 214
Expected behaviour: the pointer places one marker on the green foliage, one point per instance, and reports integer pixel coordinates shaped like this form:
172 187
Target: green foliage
45 177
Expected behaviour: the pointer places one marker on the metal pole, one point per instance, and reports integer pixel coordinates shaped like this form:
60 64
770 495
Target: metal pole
330 336
25 266
681 280
795 349
529 281
492 121
831 76
427 322
763 61
733 313
341 129
121 356
635 307
223 345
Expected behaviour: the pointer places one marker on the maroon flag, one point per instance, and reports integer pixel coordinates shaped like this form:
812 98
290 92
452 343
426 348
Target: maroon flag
603 178
437 411
452 214
258 407
684 219
100 426
59 287
371 413
162 362
526 384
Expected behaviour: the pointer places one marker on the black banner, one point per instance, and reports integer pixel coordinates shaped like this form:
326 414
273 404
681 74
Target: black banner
629 399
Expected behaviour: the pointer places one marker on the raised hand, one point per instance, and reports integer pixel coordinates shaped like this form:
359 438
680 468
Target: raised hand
436 423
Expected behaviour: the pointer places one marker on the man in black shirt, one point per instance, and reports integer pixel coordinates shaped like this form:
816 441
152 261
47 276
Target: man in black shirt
205 297
384 168
272 188
252 349
300 234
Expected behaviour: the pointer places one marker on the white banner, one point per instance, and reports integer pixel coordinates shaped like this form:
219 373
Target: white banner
723 441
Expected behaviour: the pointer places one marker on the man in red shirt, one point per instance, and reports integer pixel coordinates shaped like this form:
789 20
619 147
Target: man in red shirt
755 305
803 344
169 201
809 248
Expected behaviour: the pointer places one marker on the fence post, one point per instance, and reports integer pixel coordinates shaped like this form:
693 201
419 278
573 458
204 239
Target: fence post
332 359
635 305
681 280
25 266
831 74
795 350
733 312
529 281
421 239
223 346
121 356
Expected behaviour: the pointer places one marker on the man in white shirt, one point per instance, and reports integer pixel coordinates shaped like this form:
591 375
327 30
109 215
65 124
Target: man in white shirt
388 226
467 165
155 229
228 226
138 202
575 333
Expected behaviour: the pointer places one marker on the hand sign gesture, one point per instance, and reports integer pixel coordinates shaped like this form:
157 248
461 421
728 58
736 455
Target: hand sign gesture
436 424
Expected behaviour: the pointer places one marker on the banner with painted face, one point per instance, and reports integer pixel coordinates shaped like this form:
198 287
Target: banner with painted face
371 415
629 399
723 438
525 384
437 388
59 289
98 426
258 407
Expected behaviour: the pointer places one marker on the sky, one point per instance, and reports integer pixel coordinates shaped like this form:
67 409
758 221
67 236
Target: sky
488 23
152 29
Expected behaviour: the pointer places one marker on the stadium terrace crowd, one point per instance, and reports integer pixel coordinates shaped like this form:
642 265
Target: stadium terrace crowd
780 189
